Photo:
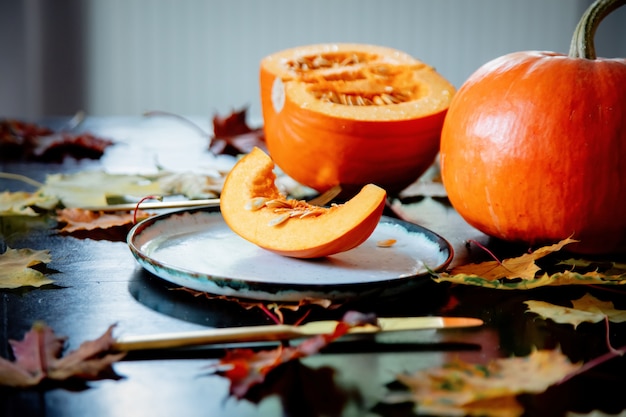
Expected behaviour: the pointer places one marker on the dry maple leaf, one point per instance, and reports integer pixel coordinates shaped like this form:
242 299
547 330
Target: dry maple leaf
521 267
273 310
233 136
231 133
57 146
523 273
192 185
586 309
91 188
459 388
23 140
38 357
22 203
76 219
246 367
16 268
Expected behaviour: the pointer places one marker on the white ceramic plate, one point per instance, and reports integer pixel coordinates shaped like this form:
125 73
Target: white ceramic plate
197 250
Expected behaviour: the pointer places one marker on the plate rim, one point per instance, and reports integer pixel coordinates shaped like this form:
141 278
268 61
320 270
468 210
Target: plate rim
262 290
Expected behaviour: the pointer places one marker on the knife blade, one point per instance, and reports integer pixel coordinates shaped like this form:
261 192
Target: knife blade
277 332
153 205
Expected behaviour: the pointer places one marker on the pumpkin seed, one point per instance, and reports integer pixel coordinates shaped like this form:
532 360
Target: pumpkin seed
279 220
387 243
285 209
277 204
376 74
256 203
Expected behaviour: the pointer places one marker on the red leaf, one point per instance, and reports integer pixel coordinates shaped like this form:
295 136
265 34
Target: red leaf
38 357
56 146
233 136
22 140
246 367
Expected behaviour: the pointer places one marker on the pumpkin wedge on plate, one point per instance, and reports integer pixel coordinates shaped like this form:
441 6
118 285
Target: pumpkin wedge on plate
254 208
352 114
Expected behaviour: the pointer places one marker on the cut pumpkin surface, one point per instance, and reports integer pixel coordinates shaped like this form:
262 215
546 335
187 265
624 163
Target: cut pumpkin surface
255 209
365 113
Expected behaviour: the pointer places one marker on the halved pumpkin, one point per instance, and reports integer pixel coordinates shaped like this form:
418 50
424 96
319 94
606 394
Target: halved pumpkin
255 209
352 114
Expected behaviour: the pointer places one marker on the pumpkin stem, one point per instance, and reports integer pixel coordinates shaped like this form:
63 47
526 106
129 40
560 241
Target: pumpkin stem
582 42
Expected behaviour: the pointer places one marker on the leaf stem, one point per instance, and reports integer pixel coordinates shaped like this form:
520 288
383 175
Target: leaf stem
271 315
150 197
183 119
612 353
483 247
20 177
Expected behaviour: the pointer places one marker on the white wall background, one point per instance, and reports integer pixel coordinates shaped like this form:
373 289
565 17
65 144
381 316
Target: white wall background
198 57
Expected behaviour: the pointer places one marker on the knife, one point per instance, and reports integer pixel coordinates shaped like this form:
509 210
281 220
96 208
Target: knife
284 332
148 205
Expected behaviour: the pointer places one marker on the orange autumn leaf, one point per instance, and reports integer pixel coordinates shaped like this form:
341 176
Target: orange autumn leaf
77 219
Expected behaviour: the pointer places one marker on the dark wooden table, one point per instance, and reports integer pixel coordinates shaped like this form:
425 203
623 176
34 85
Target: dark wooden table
98 283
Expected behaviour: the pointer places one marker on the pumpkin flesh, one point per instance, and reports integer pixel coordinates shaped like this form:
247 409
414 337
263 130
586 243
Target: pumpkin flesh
352 114
328 230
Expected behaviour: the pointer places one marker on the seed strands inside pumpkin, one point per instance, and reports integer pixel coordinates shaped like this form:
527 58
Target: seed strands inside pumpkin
285 208
355 79
330 60
380 85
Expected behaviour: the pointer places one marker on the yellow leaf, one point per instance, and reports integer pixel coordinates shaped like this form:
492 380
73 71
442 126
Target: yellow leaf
523 273
21 203
586 309
523 267
459 388
90 188
16 271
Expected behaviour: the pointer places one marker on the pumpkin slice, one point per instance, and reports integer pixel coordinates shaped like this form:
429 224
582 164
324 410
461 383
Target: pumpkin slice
352 114
255 209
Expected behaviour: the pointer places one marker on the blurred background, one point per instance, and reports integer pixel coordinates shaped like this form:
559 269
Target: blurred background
201 57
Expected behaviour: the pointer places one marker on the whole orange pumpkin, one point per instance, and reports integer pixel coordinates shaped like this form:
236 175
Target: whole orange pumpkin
533 146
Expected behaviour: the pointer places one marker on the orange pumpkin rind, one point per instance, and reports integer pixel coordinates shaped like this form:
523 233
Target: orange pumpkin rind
352 114
533 145
254 208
